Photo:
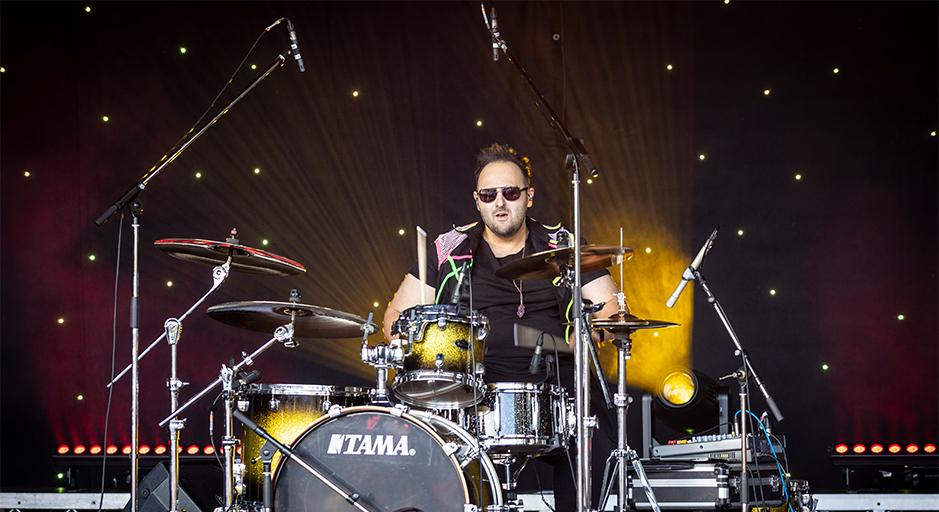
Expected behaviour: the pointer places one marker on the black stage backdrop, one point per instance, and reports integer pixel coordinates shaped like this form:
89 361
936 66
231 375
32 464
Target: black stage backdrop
806 130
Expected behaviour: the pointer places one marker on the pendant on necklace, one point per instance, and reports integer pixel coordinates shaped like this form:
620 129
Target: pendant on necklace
521 310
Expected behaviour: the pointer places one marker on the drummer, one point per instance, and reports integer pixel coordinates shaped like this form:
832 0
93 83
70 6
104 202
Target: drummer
503 195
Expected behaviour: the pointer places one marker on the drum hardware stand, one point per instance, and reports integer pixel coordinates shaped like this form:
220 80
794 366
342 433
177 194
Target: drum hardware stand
351 497
381 357
219 274
282 334
743 375
623 454
267 457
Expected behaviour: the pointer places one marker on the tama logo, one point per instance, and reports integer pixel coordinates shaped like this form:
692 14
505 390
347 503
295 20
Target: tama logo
367 444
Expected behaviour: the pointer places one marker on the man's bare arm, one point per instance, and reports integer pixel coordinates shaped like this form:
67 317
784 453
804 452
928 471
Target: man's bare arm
407 296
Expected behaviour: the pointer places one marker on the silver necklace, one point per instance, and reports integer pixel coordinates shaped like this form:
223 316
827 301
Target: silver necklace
520 312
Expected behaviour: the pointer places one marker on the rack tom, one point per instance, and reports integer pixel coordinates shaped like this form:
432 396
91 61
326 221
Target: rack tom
443 363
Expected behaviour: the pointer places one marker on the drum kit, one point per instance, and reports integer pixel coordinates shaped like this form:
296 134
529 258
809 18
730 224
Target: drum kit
432 442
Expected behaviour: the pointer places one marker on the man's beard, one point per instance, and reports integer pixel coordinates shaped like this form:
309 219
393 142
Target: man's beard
503 230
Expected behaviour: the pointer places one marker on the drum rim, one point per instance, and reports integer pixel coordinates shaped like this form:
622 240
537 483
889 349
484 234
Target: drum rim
345 411
523 386
306 390
457 378
475 320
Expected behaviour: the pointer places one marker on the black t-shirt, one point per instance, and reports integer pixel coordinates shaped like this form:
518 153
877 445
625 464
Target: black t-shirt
498 299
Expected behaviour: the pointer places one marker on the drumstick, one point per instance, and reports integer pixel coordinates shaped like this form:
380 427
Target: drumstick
422 261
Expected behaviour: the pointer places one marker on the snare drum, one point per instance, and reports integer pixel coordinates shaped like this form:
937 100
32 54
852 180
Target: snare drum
523 418
285 411
443 361
394 460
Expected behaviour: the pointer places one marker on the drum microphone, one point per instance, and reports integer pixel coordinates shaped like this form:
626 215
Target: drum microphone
688 274
294 46
536 359
455 297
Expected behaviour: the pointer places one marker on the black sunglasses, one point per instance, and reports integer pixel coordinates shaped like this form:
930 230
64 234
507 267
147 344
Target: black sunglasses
488 195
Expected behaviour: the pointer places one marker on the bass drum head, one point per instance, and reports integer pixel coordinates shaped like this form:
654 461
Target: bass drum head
393 462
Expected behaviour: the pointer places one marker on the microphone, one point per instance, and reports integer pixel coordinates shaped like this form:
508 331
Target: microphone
536 359
455 297
495 37
294 46
688 274
244 379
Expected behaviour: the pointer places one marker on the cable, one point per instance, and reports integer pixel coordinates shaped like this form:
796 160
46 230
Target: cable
772 450
212 430
541 489
224 88
107 410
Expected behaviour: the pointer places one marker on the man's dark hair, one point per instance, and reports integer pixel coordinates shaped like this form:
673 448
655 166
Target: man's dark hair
502 153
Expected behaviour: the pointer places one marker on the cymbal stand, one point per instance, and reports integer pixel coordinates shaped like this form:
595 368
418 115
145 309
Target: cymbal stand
381 357
623 453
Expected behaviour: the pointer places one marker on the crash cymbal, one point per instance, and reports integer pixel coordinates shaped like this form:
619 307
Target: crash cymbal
544 264
244 258
628 323
309 321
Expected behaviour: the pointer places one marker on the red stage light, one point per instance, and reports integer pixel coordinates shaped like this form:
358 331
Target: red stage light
160 449
877 448
95 449
859 448
238 449
894 448
929 448
841 448
79 449
126 449
912 448
143 449
111 449
208 450
62 449
192 450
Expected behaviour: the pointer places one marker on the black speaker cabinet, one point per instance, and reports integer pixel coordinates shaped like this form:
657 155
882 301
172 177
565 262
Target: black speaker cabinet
153 493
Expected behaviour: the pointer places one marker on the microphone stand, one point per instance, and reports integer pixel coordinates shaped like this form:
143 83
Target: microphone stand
743 376
128 197
576 158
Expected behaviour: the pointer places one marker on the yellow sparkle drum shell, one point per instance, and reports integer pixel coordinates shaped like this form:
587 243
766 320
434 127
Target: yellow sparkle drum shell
444 354
286 411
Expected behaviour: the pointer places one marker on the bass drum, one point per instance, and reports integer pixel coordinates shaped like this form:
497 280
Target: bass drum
285 411
394 460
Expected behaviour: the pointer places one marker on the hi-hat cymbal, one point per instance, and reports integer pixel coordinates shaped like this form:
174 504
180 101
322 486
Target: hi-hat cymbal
243 258
309 321
544 264
628 323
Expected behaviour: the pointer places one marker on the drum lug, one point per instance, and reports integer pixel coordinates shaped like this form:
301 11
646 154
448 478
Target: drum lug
398 410
274 404
243 404
438 362
450 448
327 405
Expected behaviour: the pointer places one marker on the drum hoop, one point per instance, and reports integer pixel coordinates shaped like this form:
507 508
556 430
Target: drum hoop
345 411
475 320
323 390
525 387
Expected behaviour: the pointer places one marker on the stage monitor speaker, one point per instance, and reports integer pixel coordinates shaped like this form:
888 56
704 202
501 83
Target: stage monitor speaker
153 493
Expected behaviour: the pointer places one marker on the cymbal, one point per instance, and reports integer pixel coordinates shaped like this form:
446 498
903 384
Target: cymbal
628 323
244 258
544 264
310 321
